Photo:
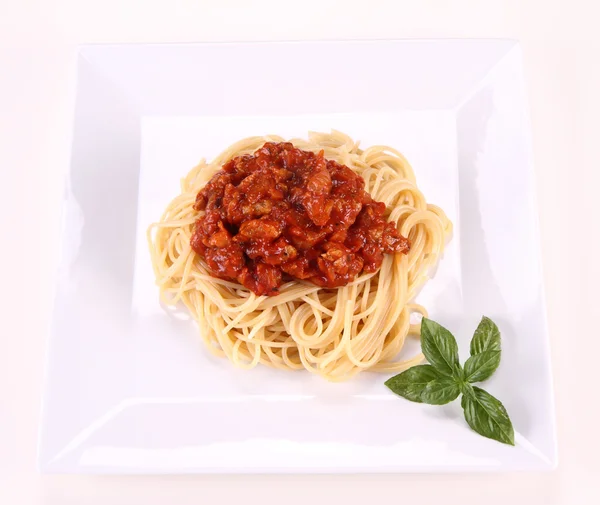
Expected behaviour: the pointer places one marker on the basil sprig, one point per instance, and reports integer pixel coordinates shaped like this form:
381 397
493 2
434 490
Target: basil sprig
443 380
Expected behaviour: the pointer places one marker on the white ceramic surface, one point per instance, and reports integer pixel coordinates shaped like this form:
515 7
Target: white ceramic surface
130 388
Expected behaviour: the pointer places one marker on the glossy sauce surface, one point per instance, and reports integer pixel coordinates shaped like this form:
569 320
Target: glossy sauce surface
285 213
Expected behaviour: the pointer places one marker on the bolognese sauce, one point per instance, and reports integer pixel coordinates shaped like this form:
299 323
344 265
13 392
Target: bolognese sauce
284 213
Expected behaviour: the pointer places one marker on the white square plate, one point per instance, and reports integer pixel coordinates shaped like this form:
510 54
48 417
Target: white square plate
130 389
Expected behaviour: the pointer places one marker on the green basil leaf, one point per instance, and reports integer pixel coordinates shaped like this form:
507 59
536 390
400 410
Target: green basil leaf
481 366
458 375
410 383
467 390
439 347
486 337
487 416
440 391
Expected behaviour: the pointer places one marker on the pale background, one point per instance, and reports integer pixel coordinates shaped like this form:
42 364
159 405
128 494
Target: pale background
561 44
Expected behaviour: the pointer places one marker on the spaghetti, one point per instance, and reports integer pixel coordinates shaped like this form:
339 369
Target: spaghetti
335 333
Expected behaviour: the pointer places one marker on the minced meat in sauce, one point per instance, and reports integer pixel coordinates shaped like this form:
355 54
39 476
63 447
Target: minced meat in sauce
285 213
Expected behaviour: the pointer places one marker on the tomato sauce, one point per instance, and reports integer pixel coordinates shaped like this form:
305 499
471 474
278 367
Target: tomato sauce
284 213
